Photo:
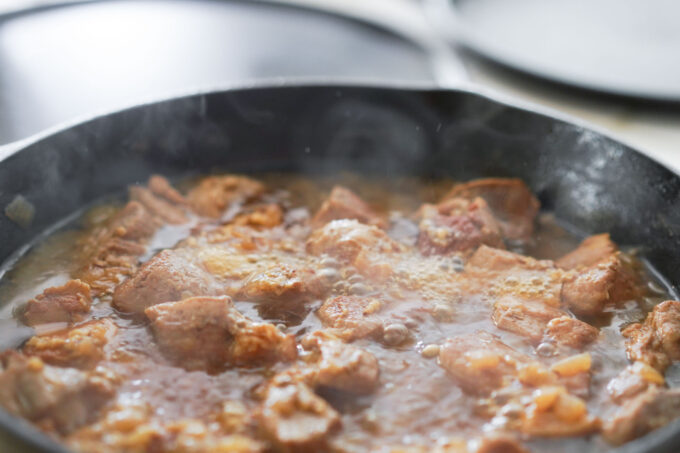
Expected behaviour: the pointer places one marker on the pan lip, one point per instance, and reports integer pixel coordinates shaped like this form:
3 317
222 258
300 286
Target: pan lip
15 426
463 87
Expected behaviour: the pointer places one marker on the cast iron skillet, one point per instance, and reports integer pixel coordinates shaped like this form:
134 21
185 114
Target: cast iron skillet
592 182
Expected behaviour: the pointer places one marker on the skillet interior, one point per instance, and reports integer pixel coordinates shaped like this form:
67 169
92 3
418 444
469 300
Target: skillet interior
592 182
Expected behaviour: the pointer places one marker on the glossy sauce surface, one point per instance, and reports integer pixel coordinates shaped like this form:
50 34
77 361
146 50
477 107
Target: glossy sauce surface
417 404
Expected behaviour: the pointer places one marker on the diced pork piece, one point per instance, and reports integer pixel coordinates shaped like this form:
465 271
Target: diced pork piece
66 303
457 225
259 342
118 253
283 282
266 216
193 436
81 347
573 365
162 188
592 250
633 380
656 341
62 398
351 317
111 252
513 274
589 289
116 260
366 247
134 223
571 332
159 207
208 332
654 408
295 418
497 443
347 239
480 362
510 200
496 260
125 425
193 332
553 412
345 204
129 426
213 195
572 372
169 276
342 366
526 318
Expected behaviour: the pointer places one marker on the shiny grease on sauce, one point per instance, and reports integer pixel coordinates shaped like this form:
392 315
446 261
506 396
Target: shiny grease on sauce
415 414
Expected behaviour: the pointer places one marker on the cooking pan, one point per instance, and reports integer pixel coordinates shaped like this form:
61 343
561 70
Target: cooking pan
592 182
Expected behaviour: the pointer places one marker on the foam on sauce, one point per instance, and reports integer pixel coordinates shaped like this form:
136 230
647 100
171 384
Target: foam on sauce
417 403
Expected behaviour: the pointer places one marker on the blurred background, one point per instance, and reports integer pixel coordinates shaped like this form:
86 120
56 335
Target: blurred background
615 63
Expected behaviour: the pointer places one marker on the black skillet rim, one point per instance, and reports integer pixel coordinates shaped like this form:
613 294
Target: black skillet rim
661 439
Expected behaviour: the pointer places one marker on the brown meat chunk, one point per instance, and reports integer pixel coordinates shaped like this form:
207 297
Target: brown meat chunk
118 252
162 188
347 239
63 398
266 216
526 318
498 443
341 366
510 200
632 381
159 207
282 282
115 260
351 317
457 225
366 247
208 332
496 260
656 342
193 332
169 276
480 362
129 426
213 195
194 436
592 250
571 332
295 418
134 223
66 303
258 342
587 291
650 410
508 273
80 347
110 253
345 204
553 412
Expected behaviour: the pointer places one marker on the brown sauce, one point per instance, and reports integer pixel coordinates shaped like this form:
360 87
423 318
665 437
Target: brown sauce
416 404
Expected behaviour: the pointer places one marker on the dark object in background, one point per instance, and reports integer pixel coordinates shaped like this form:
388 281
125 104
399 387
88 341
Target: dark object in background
592 182
623 47
64 62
